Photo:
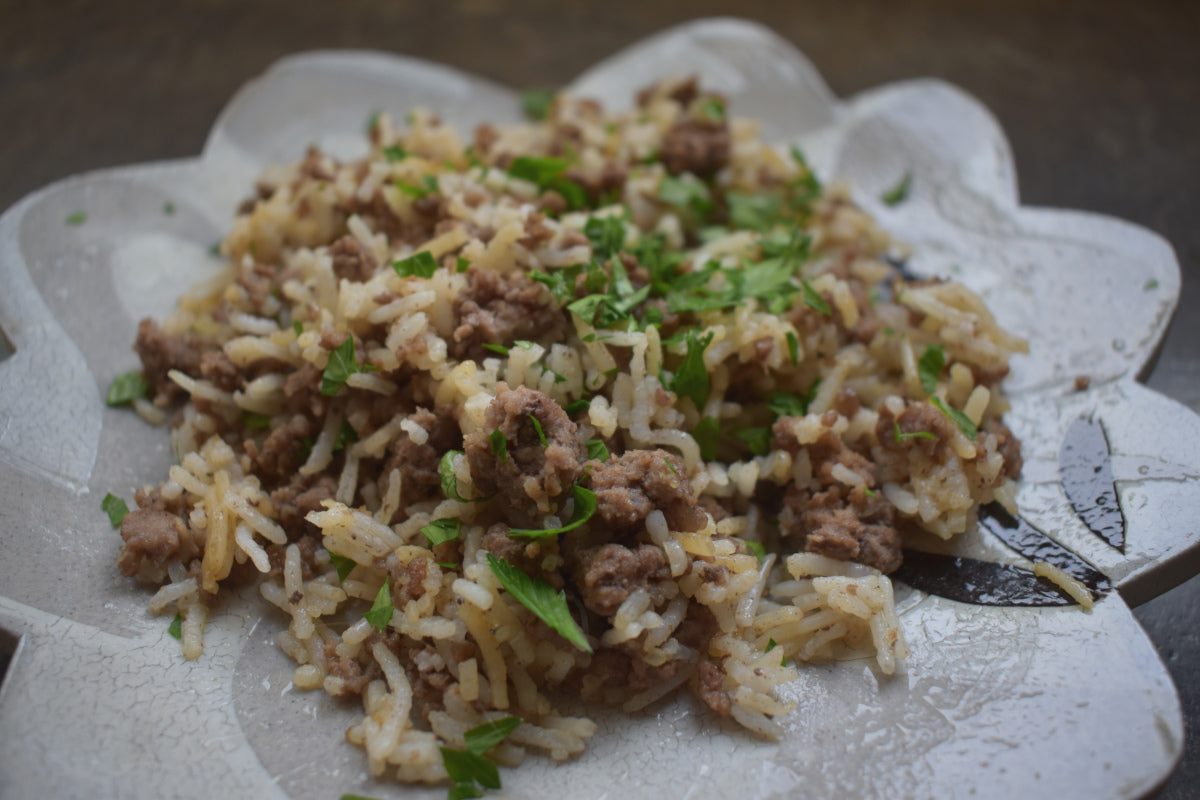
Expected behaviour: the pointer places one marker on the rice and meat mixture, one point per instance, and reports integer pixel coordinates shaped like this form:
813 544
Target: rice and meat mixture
589 409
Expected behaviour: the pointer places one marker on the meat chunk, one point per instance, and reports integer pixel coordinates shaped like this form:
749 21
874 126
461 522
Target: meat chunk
710 688
160 353
825 453
282 452
696 145
224 374
609 574
848 525
916 418
408 580
629 487
297 498
354 677
1008 445
528 470
150 534
418 463
499 309
351 260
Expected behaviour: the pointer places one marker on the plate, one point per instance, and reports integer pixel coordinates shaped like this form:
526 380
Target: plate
992 702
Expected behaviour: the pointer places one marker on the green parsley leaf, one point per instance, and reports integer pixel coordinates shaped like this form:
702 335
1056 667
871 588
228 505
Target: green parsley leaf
597 449
394 153
464 791
540 598
712 109
929 367
671 465
115 508
898 193
343 565
607 235
960 419
127 387
786 404
793 347
176 627
579 405
373 120
756 212
342 364
547 174
685 192
771 644
537 426
759 551
461 265
585 507
707 433
355 797
346 435
442 530
903 437
381 610
484 737
253 421
297 326
450 480
691 378
871 493
496 348
757 440
536 102
499 445
76 218
814 300
421 265
469 768
1150 284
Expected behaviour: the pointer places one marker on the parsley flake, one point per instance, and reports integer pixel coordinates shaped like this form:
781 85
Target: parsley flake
903 437
707 434
420 265
115 508
484 737
712 109
343 565
547 174
793 347
771 644
297 326
585 506
441 531
127 387
168 208
394 153
813 299
685 192
759 551
597 449
898 193
496 348
929 367
253 421
450 480
607 235
381 610
757 440
535 102
342 364
77 218
691 378
960 419
499 445
539 597
176 627
786 404
1150 284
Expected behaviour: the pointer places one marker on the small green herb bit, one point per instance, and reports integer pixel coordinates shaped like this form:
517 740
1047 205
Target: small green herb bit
585 507
466 769
535 102
76 218
793 347
484 737
127 387
898 193
597 449
381 610
539 597
176 627
394 153
342 364
903 437
343 565
691 379
115 508
441 531
253 421
707 434
420 265
929 367
1150 285
499 445
757 440
760 553
960 419
813 299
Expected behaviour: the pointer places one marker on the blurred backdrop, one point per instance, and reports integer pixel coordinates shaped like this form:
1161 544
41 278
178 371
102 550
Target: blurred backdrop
1100 100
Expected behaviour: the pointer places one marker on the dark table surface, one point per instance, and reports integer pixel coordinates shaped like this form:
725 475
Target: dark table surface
1099 98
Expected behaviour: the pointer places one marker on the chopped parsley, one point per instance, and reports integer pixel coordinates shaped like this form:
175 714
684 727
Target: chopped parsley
757 440
903 437
537 426
535 102
786 404
585 507
381 610
176 627
394 153
127 387
929 367
441 531
496 348
297 326
597 449
253 421
461 265
898 193
547 174
707 434
575 407
499 445
115 508
421 265
756 212
685 192
450 480
346 435
814 300
466 769
871 493
539 597
373 120
793 347
771 644
607 235
712 109
343 565
691 378
960 419
759 552
76 218
484 737
342 364
1150 284
429 185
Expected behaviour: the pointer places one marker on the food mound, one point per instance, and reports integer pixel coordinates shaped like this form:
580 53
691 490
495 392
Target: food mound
584 411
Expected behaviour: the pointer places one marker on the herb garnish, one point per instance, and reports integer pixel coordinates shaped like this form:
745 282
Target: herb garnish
547 175
346 435
342 364
903 437
168 208
898 193
929 367
607 235
575 407
536 102
421 265
771 644
537 426
176 627
394 153
342 564
585 507
757 440
441 531
960 419
381 610
76 218
756 212
499 349
297 326
499 445
759 551
1150 284
450 480
115 508
793 347
126 387
686 193
539 597
597 449
691 378
814 300
707 434
253 421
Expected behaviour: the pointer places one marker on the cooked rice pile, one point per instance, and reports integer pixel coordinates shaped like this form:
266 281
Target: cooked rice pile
733 405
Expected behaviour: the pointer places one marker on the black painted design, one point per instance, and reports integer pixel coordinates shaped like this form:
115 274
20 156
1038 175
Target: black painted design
1085 464
1037 546
981 583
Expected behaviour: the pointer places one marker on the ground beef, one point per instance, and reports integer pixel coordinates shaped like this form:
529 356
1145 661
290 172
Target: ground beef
418 463
308 544
151 534
302 391
632 485
160 353
499 309
1008 445
824 454
848 525
351 260
282 452
525 554
607 575
408 580
224 374
258 280
301 495
988 375
695 145
710 687
529 470
916 418
354 676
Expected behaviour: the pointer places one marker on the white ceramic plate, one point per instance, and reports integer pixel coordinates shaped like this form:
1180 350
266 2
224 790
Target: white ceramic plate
991 703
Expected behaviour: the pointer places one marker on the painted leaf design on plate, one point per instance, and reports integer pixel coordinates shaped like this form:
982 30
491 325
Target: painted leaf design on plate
1085 464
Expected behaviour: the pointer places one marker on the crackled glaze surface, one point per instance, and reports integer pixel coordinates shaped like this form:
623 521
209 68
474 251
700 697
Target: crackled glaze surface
991 702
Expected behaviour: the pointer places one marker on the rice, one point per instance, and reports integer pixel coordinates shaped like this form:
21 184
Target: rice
602 409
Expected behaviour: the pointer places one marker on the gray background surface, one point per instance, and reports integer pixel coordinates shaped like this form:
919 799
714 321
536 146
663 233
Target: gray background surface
1100 101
